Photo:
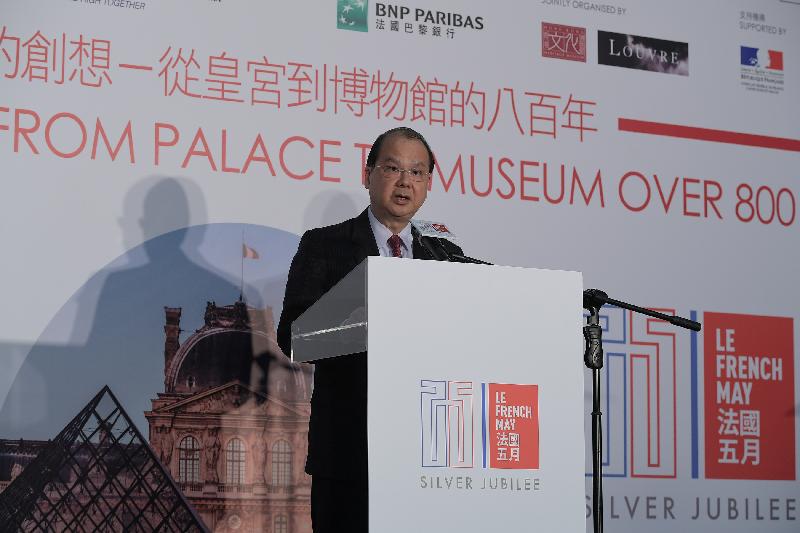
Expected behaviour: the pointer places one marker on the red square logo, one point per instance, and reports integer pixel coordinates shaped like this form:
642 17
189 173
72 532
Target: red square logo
749 397
563 42
513 426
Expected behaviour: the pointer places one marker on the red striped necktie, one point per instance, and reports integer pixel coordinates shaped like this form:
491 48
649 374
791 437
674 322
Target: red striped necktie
395 242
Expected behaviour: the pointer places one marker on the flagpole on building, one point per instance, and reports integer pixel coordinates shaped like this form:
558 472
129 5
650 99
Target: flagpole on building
241 280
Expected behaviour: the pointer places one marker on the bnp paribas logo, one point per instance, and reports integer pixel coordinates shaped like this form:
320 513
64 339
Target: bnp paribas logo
352 14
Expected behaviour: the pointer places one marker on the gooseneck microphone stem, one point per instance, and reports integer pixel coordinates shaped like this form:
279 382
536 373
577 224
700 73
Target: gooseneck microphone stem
466 259
439 244
438 251
435 250
593 300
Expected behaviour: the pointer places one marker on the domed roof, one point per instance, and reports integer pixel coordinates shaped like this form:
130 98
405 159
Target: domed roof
222 357
237 343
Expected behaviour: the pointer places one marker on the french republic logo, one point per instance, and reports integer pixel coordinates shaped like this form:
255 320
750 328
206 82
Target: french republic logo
352 14
642 53
563 42
757 57
509 437
749 397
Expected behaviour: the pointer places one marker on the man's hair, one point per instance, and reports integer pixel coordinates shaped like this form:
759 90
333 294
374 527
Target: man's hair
408 133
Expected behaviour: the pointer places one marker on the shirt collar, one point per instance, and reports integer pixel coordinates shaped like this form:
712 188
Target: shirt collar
382 234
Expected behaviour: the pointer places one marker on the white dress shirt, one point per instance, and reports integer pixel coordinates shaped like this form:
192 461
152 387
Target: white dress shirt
382 234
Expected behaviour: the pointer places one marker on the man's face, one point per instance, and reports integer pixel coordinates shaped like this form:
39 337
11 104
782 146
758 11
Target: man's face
395 200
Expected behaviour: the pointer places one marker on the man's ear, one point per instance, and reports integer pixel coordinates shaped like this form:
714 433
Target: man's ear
365 178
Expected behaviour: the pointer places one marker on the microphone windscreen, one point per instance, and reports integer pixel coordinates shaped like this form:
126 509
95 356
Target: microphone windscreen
433 229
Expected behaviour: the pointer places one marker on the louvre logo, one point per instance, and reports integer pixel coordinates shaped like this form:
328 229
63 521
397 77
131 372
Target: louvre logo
642 53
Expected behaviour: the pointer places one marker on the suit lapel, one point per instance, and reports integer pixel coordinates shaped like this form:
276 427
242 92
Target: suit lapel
363 239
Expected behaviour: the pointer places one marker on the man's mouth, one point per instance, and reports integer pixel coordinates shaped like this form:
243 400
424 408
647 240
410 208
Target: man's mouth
401 197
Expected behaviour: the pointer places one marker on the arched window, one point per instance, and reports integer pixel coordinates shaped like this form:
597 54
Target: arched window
281 463
234 461
282 387
189 460
281 524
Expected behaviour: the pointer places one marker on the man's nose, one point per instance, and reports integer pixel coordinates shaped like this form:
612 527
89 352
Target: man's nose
404 179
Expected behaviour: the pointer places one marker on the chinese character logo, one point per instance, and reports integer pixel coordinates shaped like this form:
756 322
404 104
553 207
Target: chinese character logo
749 391
352 14
513 426
447 423
563 42
756 57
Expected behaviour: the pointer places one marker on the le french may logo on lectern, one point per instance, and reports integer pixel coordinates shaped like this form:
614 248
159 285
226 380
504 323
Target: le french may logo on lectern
505 433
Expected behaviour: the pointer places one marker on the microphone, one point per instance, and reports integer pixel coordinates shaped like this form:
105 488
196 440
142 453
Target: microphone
437 239
595 299
429 234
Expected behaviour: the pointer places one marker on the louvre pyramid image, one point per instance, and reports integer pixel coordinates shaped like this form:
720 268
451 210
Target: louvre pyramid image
98 474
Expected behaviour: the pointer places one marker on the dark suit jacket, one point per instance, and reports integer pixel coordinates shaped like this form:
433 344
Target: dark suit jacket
337 435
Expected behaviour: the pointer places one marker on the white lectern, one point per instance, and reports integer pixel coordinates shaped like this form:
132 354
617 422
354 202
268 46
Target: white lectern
475 401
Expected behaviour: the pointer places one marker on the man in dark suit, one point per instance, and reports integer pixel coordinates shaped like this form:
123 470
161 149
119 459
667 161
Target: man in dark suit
397 173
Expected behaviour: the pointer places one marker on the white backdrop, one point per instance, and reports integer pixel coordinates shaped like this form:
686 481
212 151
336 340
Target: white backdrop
492 107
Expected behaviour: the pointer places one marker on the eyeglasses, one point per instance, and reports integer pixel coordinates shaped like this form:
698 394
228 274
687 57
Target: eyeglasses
394 172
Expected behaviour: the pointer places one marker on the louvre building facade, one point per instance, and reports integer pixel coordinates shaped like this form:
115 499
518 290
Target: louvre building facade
225 453
231 425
